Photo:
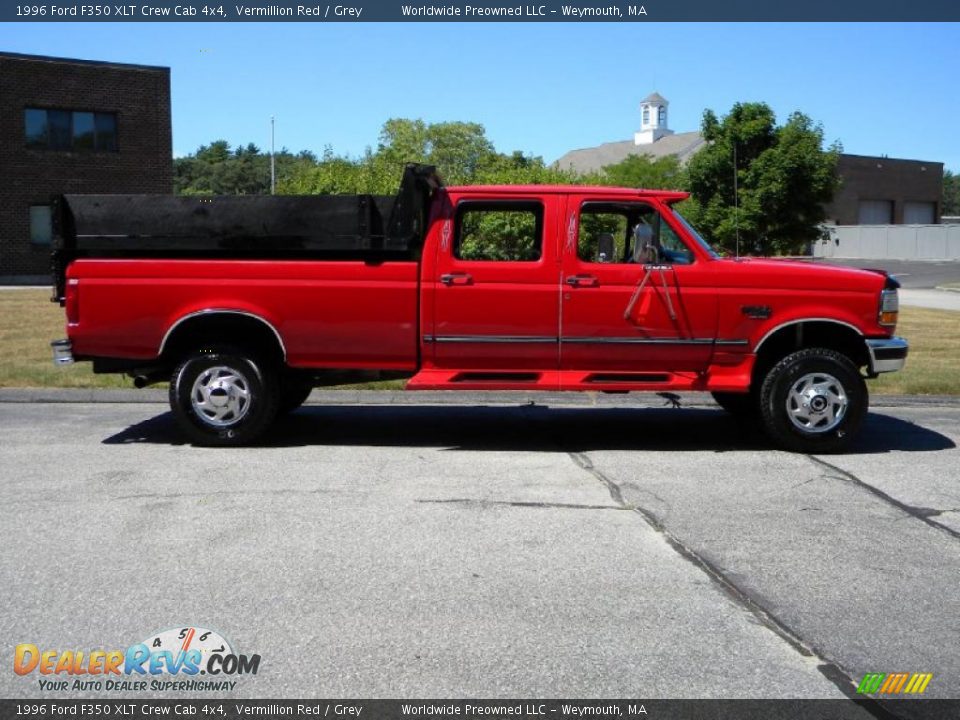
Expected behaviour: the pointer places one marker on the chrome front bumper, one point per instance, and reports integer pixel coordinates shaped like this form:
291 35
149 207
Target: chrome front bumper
62 352
887 355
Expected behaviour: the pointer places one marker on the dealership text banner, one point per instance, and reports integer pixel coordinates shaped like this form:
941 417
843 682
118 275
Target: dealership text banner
488 11
867 709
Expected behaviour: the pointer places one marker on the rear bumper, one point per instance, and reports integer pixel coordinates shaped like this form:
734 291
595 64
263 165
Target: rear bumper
887 355
62 352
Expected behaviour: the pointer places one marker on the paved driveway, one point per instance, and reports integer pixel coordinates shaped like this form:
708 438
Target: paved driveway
469 550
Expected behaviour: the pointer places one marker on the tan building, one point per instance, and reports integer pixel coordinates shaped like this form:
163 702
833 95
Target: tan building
655 138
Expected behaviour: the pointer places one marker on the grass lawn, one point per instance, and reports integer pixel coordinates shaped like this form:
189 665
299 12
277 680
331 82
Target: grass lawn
29 321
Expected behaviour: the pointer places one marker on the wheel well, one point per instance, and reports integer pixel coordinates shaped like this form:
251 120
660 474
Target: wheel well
807 334
239 330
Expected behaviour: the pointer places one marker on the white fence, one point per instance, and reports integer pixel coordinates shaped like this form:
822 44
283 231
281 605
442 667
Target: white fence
891 242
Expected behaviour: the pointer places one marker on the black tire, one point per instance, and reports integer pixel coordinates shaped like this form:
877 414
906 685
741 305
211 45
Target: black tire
743 406
813 401
294 393
239 391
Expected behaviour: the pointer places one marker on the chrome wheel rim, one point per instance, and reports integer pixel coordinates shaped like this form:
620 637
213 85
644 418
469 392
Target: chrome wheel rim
220 396
817 403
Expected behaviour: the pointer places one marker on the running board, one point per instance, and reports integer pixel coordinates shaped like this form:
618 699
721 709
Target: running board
632 378
436 379
482 380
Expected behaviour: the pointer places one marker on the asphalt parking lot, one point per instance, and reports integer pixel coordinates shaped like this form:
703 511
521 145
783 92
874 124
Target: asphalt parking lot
616 547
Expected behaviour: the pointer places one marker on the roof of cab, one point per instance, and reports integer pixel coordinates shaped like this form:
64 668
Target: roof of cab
607 192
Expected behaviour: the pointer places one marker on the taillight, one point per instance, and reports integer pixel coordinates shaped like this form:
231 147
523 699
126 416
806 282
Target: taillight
889 308
72 301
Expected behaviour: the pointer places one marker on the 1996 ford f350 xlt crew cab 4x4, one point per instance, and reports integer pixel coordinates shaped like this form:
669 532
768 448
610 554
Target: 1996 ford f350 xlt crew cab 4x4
245 303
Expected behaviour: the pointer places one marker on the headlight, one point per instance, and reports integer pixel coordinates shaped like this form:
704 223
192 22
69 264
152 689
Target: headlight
889 308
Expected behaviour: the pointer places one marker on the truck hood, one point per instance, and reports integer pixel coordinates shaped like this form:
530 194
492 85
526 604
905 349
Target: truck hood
800 275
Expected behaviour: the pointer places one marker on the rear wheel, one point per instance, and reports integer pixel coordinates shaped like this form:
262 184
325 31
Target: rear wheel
813 401
223 397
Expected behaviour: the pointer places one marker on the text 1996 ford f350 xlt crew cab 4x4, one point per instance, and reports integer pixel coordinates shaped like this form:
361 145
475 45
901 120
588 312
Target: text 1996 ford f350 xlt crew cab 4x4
246 303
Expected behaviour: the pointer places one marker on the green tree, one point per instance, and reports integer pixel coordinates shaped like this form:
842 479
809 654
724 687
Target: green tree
643 171
519 169
784 177
458 149
951 193
461 151
215 169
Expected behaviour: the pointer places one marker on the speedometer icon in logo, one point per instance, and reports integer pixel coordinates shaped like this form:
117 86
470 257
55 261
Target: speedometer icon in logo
182 640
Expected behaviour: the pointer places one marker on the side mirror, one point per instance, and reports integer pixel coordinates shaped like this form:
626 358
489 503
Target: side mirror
605 248
644 250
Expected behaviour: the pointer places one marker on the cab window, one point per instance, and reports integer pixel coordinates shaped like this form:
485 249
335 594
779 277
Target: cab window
628 233
500 231
672 248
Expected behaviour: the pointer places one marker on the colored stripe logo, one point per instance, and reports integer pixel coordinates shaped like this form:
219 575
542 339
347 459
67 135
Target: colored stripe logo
894 683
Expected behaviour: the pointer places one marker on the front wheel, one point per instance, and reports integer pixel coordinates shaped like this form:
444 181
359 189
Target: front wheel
223 397
813 401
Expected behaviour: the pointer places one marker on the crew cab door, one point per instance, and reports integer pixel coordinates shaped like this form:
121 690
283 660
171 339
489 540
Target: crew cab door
636 296
494 286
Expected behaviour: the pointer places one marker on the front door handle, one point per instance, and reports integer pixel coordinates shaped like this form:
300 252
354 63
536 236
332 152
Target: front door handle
456 279
582 281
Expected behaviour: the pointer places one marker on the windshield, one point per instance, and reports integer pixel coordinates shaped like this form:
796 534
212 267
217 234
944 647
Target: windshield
695 235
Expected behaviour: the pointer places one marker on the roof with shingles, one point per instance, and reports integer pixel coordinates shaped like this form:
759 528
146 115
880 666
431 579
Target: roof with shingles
682 145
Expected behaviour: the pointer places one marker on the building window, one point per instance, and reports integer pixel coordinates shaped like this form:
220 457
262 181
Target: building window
106 125
36 125
662 116
646 116
73 130
41 225
59 132
83 131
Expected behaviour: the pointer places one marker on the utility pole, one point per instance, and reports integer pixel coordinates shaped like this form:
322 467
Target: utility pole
736 198
273 163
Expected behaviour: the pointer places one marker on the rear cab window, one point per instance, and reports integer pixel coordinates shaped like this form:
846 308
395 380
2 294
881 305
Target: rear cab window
499 231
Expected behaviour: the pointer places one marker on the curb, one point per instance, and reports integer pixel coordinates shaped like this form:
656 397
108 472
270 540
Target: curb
441 397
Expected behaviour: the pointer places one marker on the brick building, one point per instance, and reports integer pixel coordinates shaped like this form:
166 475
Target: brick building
74 126
887 191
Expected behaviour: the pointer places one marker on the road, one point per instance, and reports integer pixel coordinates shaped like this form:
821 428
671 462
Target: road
912 274
617 548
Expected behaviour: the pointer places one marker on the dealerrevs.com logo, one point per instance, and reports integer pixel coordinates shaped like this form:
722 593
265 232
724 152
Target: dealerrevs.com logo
170 660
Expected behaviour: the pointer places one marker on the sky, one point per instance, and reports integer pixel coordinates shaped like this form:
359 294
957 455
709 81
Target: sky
542 88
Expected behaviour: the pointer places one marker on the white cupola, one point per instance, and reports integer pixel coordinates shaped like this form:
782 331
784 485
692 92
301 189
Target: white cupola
653 120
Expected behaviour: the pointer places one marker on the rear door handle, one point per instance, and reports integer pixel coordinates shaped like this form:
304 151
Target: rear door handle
582 281
456 279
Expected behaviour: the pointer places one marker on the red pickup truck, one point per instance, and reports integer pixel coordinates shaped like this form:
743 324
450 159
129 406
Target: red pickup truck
245 304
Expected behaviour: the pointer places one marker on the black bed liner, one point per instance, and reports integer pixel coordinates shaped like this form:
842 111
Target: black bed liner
268 227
